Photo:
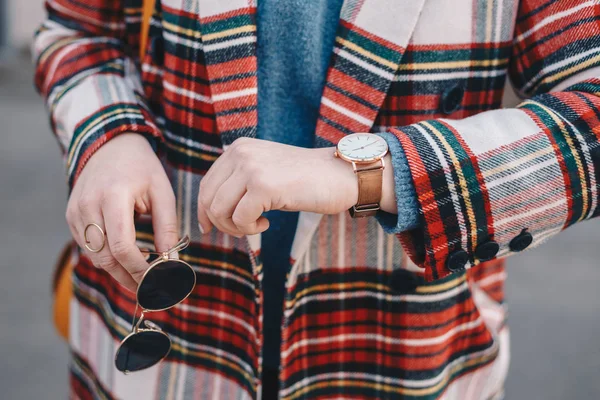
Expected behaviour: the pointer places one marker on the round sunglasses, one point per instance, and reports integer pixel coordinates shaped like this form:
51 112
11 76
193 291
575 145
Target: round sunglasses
166 283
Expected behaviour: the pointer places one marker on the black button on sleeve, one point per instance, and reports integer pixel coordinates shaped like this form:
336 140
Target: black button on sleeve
521 241
487 250
451 99
457 260
158 50
403 281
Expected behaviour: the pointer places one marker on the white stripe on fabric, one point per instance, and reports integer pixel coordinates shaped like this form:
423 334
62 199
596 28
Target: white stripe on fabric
530 213
521 174
178 40
363 64
555 17
446 76
185 92
343 110
229 43
186 141
369 337
235 94
491 279
218 314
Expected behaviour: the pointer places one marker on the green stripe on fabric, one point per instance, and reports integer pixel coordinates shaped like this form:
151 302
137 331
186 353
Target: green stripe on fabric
368 44
228 23
181 22
569 154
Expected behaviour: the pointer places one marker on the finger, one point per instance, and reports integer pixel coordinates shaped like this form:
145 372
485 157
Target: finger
226 199
164 216
222 227
218 173
104 258
120 232
204 224
247 216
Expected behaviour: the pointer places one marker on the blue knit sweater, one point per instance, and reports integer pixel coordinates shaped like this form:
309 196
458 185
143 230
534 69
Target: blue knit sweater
295 41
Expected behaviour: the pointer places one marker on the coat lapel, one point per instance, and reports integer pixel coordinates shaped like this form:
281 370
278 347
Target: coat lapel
370 42
229 46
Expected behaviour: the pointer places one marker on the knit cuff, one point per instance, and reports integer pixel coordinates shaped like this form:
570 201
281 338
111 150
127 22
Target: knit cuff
406 198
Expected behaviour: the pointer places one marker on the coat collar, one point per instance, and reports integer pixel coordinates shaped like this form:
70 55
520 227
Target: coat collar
371 38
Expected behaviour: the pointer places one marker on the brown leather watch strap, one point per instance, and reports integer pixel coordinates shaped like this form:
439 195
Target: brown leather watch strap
370 182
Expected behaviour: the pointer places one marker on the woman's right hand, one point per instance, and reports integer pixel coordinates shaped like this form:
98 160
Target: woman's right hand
123 176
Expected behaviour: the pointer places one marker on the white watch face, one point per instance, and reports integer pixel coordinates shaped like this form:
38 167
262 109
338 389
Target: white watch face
362 147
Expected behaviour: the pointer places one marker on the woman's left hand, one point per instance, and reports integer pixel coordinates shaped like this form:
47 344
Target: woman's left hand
253 176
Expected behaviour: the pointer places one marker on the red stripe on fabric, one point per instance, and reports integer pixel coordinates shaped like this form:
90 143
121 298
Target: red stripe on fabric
232 68
177 11
229 14
237 120
434 226
192 120
338 118
329 132
75 61
410 326
350 104
353 86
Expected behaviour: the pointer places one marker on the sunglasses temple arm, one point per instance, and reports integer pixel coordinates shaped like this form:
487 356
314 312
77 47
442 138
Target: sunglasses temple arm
134 325
182 244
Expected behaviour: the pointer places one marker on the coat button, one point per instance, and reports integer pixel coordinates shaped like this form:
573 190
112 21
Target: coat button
404 281
158 50
457 260
487 250
521 241
451 99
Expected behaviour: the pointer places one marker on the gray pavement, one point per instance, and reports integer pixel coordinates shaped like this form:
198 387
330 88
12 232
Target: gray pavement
552 290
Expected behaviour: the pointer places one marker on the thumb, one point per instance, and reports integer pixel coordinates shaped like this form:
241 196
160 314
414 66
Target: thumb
164 217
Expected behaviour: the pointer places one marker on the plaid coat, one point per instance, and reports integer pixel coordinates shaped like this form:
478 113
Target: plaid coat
367 315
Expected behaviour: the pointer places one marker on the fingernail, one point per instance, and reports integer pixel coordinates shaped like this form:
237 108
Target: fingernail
174 255
200 229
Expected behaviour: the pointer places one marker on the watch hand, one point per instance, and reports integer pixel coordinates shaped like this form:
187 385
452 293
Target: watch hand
362 147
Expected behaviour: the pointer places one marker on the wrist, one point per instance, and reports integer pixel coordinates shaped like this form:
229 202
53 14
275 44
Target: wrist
388 193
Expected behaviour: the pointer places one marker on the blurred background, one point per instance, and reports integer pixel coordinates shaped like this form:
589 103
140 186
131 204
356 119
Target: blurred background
552 291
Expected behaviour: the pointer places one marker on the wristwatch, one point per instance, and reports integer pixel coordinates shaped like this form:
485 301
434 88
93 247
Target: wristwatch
365 151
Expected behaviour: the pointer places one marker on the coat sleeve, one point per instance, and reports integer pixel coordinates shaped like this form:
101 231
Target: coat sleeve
494 184
91 86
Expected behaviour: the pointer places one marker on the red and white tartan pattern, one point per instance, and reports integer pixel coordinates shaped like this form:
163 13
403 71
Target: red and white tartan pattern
479 175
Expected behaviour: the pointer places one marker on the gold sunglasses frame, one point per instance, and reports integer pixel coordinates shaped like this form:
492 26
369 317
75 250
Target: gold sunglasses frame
149 325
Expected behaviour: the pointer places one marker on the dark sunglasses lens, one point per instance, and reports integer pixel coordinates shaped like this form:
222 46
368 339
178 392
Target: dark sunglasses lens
165 285
142 350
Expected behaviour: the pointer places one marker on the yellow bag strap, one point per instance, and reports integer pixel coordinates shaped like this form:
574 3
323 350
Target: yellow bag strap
147 11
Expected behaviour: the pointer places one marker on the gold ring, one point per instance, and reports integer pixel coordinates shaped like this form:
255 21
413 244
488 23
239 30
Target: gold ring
87 241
